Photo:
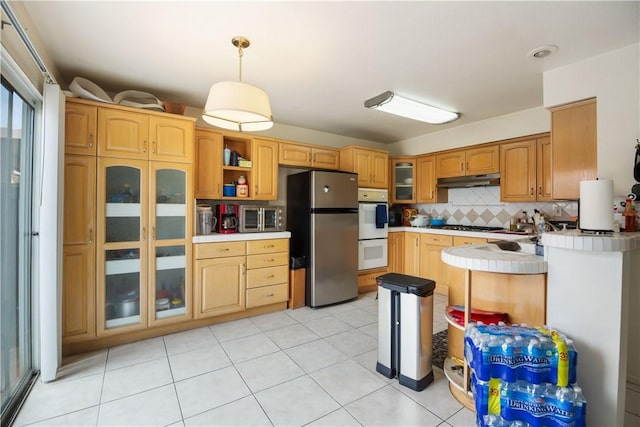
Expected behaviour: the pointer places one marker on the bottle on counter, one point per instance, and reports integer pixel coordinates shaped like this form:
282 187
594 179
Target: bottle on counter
629 216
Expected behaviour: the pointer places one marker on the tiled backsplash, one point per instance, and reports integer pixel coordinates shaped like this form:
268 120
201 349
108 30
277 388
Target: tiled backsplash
482 206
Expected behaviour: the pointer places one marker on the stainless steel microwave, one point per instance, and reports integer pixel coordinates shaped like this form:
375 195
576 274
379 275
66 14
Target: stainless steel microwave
261 218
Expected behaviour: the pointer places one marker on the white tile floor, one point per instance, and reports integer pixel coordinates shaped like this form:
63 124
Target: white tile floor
294 367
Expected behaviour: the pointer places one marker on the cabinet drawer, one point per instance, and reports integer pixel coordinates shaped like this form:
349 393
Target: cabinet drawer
218 250
267 295
267 276
267 260
267 246
461 240
436 239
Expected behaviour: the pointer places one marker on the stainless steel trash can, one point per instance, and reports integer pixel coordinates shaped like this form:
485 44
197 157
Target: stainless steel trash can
405 329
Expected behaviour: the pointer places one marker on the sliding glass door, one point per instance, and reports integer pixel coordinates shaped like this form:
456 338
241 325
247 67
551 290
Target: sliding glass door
16 155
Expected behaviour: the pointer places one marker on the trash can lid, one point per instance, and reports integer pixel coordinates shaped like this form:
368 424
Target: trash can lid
407 284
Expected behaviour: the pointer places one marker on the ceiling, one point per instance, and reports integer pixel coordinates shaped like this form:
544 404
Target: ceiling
319 61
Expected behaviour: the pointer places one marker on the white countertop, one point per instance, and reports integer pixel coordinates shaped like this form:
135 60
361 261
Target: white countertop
573 239
236 237
488 257
480 234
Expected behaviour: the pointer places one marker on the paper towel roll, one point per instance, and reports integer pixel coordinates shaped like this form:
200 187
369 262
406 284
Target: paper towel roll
596 205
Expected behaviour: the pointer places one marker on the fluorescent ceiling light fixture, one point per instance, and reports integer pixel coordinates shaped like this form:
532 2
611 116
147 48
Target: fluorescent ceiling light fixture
394 104
236 105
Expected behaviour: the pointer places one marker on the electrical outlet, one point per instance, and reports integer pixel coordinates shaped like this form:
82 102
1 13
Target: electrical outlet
557 211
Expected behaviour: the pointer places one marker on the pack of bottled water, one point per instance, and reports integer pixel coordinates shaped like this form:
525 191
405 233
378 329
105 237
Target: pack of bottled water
523 376
519 403
512 353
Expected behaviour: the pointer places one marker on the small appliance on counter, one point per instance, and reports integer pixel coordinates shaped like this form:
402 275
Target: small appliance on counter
395 216
261 218
206 222
227 216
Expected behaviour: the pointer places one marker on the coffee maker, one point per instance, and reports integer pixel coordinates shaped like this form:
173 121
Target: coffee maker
227 216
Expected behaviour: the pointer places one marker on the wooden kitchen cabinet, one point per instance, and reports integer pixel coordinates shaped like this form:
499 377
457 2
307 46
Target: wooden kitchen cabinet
372 166
220 286
473 161
171 139
144 223
574 147
79 249
403 180
267 272
395 253
219 278
412 254
208 164
426 189
265 170
80 128
431 265
305 155
525 170
141 136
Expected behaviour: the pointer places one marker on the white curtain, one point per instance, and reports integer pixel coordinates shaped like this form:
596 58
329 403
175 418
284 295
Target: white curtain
50 228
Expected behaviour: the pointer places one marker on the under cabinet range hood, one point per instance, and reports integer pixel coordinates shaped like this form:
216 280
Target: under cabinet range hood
469 181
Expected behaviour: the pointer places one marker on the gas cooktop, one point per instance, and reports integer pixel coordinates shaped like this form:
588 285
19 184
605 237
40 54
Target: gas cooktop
470 227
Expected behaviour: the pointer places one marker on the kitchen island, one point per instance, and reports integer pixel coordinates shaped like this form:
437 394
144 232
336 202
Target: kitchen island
486 277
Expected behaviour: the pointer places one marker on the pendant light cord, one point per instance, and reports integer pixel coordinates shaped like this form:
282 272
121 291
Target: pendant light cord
240 57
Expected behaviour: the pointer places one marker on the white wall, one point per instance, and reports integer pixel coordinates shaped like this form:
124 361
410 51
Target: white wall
521 123
292 133
614 78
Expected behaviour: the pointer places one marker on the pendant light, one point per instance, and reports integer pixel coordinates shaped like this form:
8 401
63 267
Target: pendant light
236 105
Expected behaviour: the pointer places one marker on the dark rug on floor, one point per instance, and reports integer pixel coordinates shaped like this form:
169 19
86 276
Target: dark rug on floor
439 352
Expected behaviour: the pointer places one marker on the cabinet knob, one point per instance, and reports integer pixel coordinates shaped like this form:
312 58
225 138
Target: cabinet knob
540 190
153 233
144 146
532 191
144 233
153 147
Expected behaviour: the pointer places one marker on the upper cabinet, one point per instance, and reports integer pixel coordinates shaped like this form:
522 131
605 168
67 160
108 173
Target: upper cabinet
265 169
403 180
426 190
208 164
525 170
80 130
371 165
574 147
295 154
115 131
473 161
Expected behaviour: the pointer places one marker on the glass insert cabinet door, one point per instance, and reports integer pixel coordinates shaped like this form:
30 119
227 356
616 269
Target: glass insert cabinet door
122 236
404 180
169 280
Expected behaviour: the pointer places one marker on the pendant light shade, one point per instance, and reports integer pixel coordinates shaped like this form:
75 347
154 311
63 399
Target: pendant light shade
236 105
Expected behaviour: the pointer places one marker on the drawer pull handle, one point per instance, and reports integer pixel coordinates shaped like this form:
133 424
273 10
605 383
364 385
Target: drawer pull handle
271 276
268 295
268 246
269 260
222 250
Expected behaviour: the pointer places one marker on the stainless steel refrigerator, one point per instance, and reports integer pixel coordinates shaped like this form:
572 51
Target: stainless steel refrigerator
322 216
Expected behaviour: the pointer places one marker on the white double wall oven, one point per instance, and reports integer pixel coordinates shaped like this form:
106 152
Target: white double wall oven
373 228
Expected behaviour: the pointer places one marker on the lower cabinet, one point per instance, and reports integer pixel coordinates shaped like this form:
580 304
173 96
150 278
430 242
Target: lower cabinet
267 272
431 265
234 276
395 253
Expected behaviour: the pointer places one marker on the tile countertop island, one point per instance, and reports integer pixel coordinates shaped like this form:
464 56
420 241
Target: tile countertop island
593 296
